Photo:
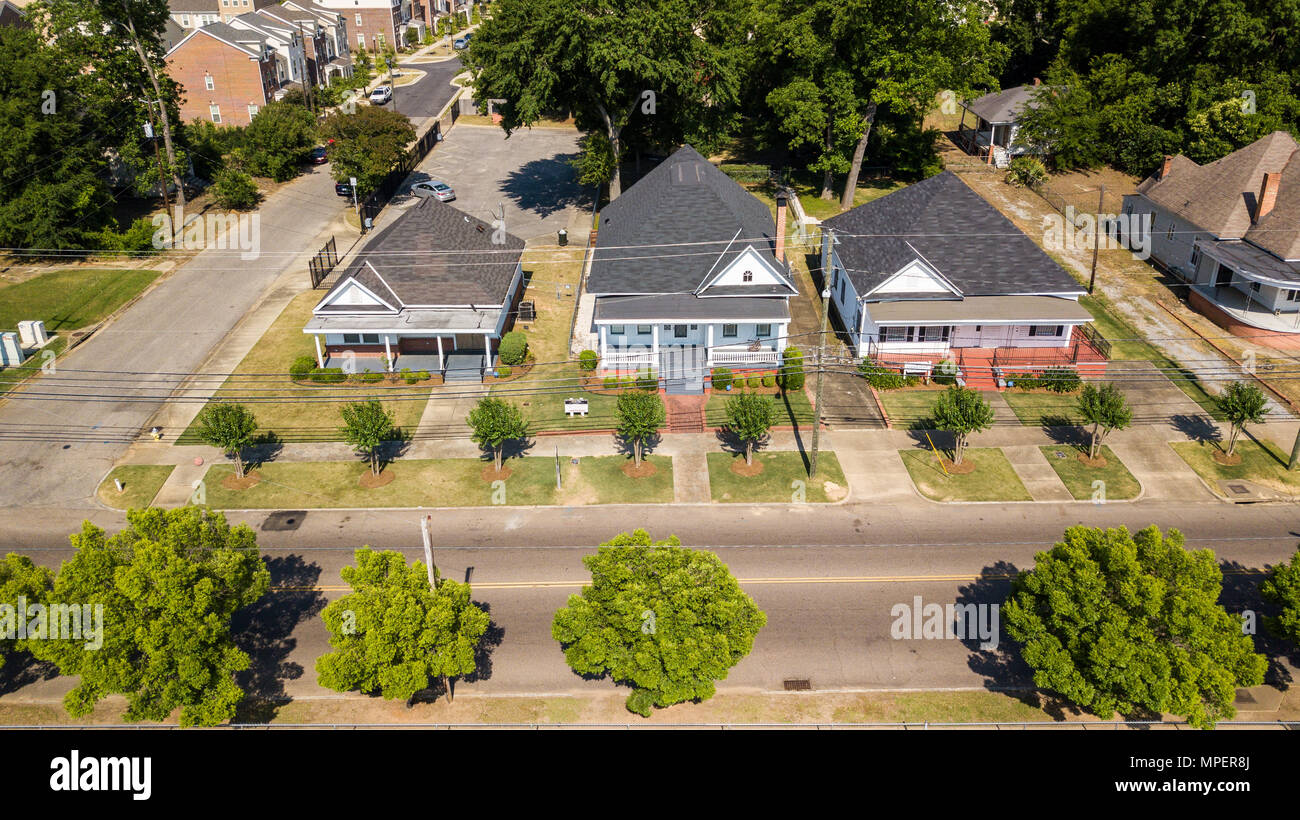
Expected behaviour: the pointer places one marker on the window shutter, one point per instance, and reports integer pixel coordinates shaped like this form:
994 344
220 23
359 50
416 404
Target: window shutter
909 332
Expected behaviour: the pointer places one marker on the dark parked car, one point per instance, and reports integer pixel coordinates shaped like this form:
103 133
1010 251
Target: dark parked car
318 156
342 189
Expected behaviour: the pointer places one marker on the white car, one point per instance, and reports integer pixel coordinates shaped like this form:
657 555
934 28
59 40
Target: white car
440 191
381 95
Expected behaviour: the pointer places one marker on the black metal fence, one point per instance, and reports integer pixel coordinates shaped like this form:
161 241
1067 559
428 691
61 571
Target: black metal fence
375 202
323 262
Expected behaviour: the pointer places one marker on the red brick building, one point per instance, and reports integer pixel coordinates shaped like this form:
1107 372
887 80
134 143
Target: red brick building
227 75
373 24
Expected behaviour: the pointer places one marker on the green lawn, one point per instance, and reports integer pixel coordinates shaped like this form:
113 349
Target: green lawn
808 188
909 408
70 299
443 483
777 481
1043 407
792 409
1078 477
993 479
1262 462
540 396
11 377
140 482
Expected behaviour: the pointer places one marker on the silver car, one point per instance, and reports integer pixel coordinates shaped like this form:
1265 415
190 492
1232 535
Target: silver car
440 191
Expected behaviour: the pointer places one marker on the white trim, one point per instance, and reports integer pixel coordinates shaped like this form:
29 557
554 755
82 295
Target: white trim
328 299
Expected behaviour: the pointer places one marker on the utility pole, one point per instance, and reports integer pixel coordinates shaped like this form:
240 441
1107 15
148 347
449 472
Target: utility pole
827 243
426 527
162 109
391 84
162 176
1096 237
1295 453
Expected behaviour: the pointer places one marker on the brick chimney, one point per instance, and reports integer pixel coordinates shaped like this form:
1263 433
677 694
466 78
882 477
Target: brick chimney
1267 195
780 226
1164 168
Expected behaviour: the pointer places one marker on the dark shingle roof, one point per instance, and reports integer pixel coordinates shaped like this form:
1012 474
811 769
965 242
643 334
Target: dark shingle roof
434 254
1003 106
683 200
953 229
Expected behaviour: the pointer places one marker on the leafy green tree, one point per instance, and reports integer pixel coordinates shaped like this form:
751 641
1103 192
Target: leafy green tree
392 634
234 190
792 372
667 620
640 417
1106 409
750 417
1129 623
494 422
366 426
1241 404
598 59
167 586
367 144
229 426
961 411
279 140
1282 589
20 578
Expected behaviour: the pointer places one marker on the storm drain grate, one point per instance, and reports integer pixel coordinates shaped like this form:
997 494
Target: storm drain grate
798 685
1239 489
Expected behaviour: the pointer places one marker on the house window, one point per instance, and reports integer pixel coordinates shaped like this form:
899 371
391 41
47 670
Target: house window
1196 256
185 20
351 338
747 276
252 111
893 334
617 330
1293 295
1169 234
370 338
762 330
1153 221
842 287
695 327
1046 330
1254 287
934 334
679 331
208 82
214 111
358 18
361 40
643 330
730 331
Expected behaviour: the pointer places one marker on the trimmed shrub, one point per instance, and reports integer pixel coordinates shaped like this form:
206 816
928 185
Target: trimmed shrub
647 380
504 371
611 382
514 348
422 375
769 380
587 360
328 375
754 381
234 190
883 378
302 366
721 378
367 377
792 372
627 382
1026 172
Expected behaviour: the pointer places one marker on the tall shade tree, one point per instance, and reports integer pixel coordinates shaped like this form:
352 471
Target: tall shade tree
19 579
750 418
230 427
493 422
598 58
1131 623
279 140
167 586
366 426
392 634
834 64
961 412
640 417
666 620
1282 589
368 144
1106 409
1241 404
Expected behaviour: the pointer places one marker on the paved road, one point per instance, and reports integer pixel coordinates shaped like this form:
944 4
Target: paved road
56 450
827 577
427 97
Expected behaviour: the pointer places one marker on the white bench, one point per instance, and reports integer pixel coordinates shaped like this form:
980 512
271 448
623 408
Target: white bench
575 407
917 368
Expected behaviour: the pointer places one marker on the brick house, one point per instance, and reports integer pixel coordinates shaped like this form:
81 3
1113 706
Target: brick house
335 24
285 38
324 39
226 74
372 24
191 14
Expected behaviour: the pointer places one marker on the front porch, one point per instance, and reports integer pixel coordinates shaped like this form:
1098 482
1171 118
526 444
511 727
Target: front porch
985 368
1247 309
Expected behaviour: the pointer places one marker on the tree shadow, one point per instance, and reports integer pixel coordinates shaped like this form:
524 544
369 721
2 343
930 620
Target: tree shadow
491 640
1199 427
264 630
1240 595
21 669
265 448
626 446
1065 433
733 443
545 186
996 659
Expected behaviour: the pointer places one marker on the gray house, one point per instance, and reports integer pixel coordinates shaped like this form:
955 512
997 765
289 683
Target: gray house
688 274
994 131
1230 230
434 291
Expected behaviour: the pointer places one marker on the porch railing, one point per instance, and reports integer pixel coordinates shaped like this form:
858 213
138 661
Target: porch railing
722 356
625 360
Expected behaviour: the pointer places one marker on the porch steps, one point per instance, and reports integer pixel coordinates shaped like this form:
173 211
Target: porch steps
685 414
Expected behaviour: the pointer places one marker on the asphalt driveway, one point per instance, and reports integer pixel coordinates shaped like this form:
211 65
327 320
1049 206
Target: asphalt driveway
527 175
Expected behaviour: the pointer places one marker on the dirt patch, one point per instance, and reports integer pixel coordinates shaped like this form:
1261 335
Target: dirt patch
370 481
250 479
490 473
740 468
966 467
1224 460
834 492
1099 461
632 471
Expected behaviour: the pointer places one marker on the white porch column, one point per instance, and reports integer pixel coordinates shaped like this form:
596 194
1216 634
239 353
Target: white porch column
388 353
487 351
441 365
654 345
320 358
782 338
708 344
604 343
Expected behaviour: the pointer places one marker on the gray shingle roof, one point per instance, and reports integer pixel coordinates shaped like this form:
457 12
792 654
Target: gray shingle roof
678 307
1002 106
434 254
683 200
953 229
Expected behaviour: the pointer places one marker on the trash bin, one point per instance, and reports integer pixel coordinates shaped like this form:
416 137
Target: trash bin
564 237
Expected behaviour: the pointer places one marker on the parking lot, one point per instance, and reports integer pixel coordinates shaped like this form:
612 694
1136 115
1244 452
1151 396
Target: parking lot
528 176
